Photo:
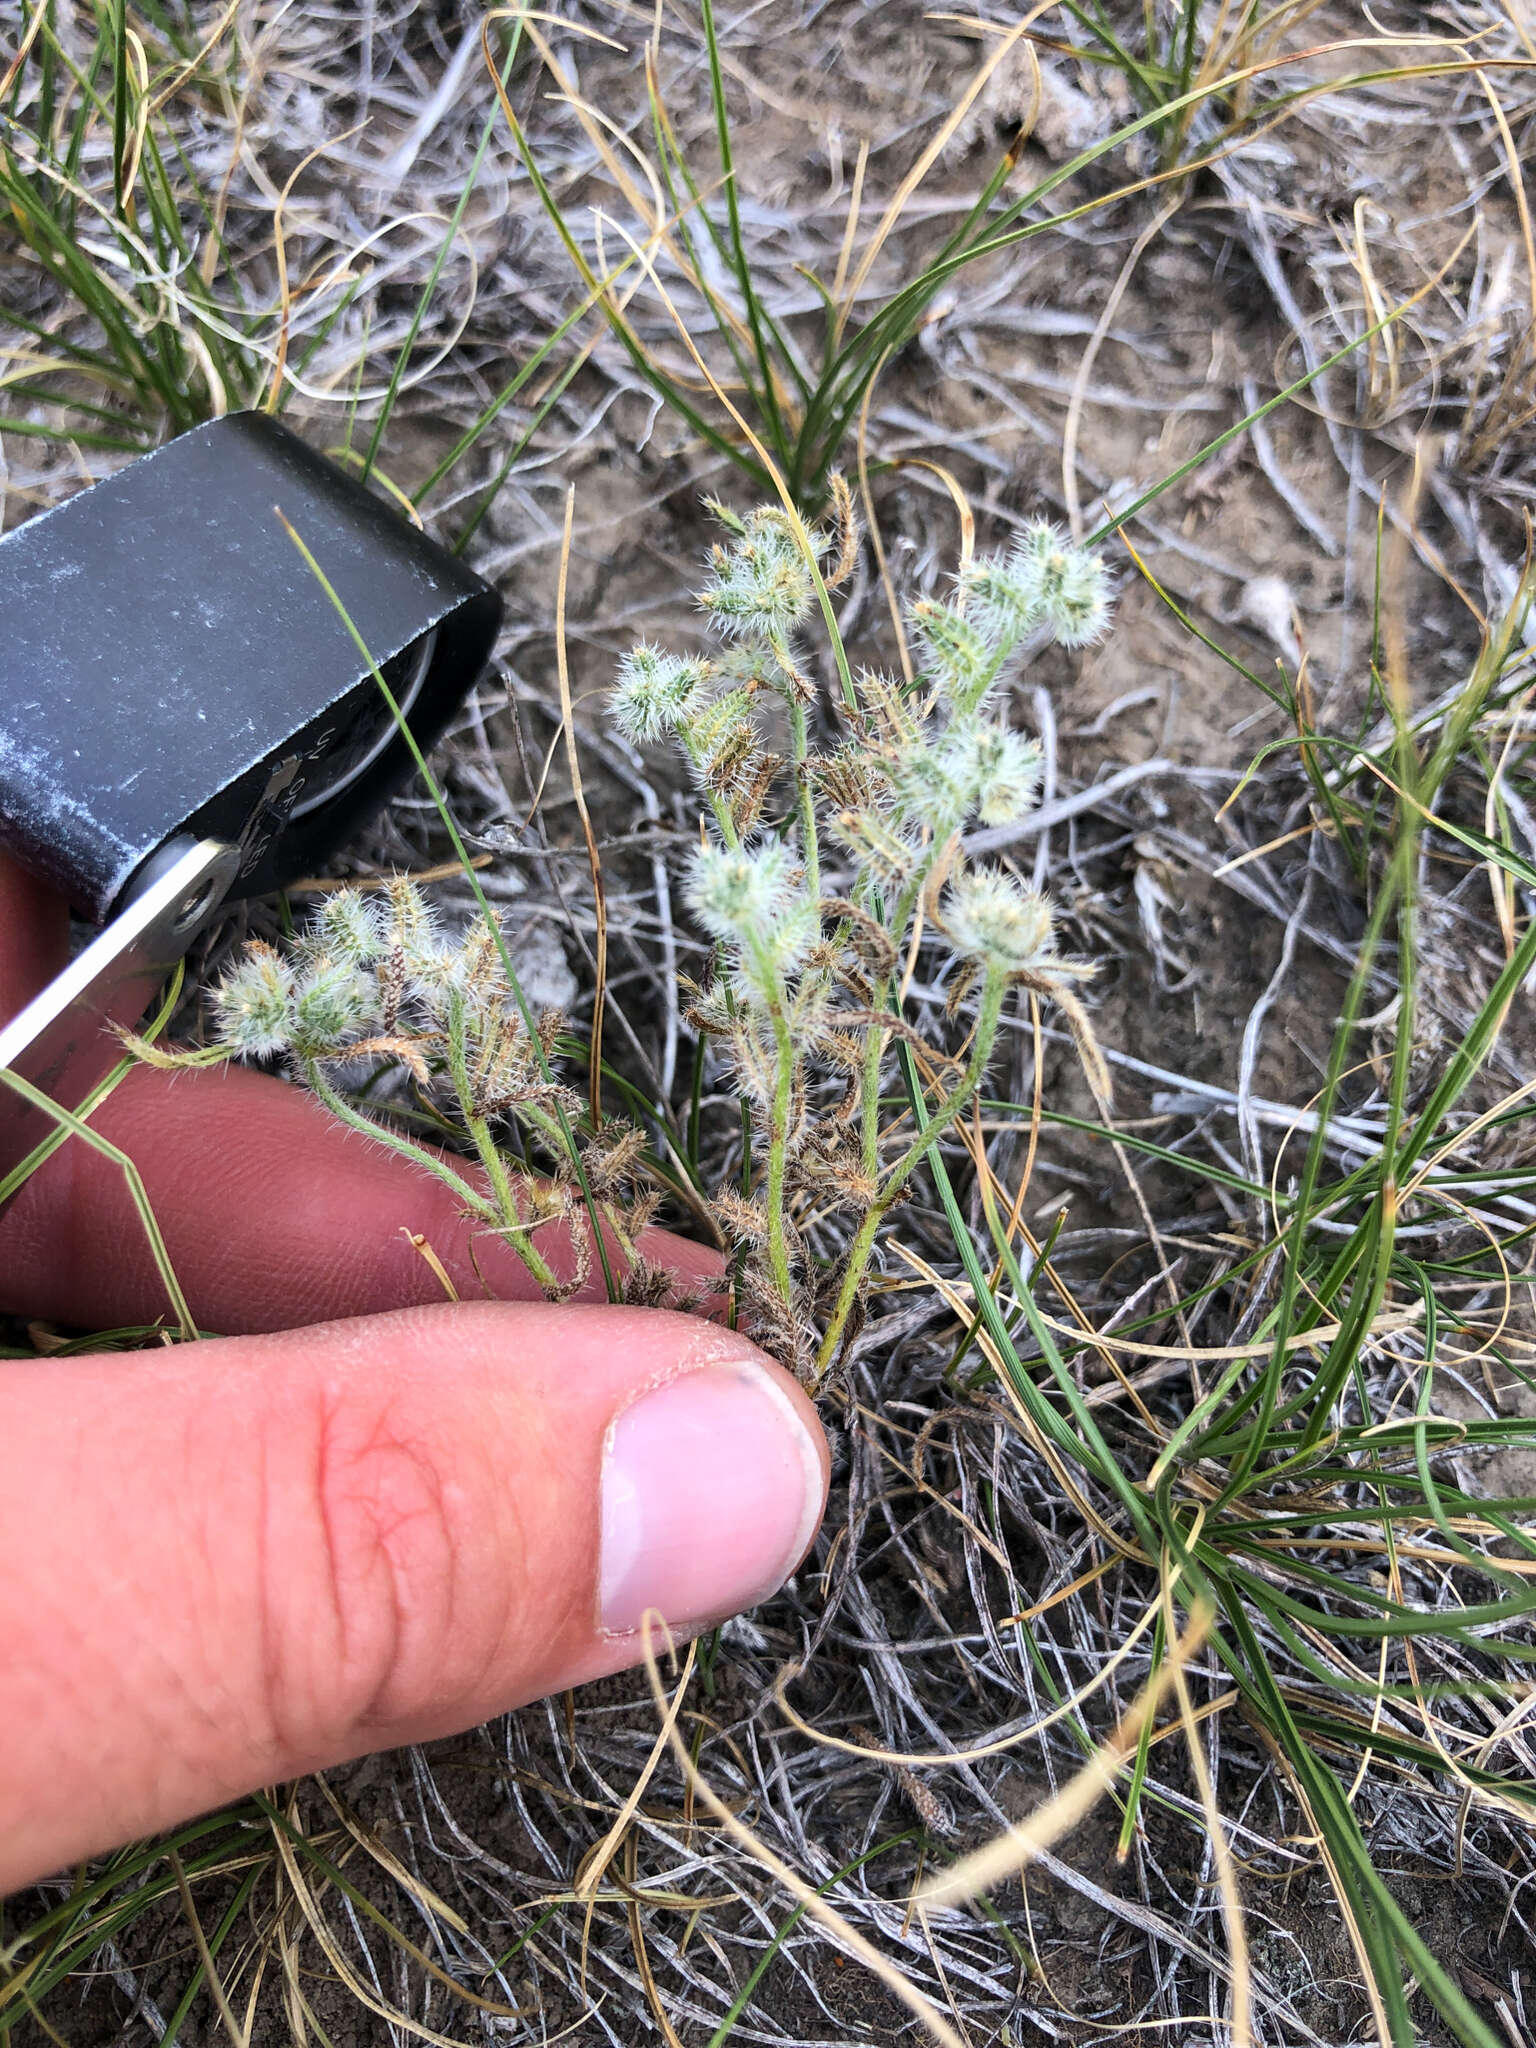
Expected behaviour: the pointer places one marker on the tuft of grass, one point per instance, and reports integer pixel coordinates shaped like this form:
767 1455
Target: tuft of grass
136 306
781 397
106 205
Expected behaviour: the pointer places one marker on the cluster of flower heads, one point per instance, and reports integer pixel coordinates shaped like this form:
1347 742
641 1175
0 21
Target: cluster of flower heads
1045 581
378 980
819 870
753 899
921 764
376 975
938 758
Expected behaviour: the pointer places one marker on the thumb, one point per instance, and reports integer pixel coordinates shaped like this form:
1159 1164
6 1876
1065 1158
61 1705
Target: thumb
234 1562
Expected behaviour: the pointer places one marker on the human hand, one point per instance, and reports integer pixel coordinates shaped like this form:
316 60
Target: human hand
233 1562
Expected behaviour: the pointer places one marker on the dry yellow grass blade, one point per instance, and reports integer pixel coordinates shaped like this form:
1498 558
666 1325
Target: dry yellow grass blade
444 871
603 134
855 202
596 1863
594 858
642 1953
1390 1323
619 1891
390 1863
1318 1840
431 1261
23 51
309 1906
1015 1217
188 70
872 522
930 156
1004 1858
1221 1851
274 396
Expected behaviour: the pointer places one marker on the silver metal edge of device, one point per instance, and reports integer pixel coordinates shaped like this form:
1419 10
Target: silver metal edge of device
114 977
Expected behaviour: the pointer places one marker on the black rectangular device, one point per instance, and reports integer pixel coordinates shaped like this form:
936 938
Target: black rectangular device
188 713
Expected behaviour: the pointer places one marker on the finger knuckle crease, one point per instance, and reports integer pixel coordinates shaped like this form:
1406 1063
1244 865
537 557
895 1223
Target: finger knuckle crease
391 1529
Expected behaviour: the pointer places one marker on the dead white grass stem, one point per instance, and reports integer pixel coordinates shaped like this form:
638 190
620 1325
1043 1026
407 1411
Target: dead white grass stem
1073 422
1012 1852
843 1932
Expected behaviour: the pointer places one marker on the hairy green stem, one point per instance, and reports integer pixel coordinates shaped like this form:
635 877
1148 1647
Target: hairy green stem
515 1231
804 796
778 1150
869 1102
407 1148
799 754
768 980
874 1044
994 989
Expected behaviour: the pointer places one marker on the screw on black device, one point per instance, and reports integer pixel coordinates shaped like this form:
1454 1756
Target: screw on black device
185 716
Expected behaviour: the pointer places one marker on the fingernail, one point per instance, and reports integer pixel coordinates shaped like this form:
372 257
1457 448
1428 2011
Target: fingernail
711 1491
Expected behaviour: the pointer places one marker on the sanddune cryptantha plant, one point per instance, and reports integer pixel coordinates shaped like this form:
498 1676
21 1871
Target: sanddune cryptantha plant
820 874
810 986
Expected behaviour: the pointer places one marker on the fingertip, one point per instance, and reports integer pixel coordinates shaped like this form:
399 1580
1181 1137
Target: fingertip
714 1483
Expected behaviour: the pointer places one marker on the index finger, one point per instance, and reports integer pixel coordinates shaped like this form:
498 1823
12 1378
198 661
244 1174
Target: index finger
274 1214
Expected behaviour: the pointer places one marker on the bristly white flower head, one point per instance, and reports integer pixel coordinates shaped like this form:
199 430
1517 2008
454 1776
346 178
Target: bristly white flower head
254 1004
741 893
997 922
961 654
348 926
999 770
751 898
655 693
761 586
1002 605
1070 583
412 933
333 1004
931 785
